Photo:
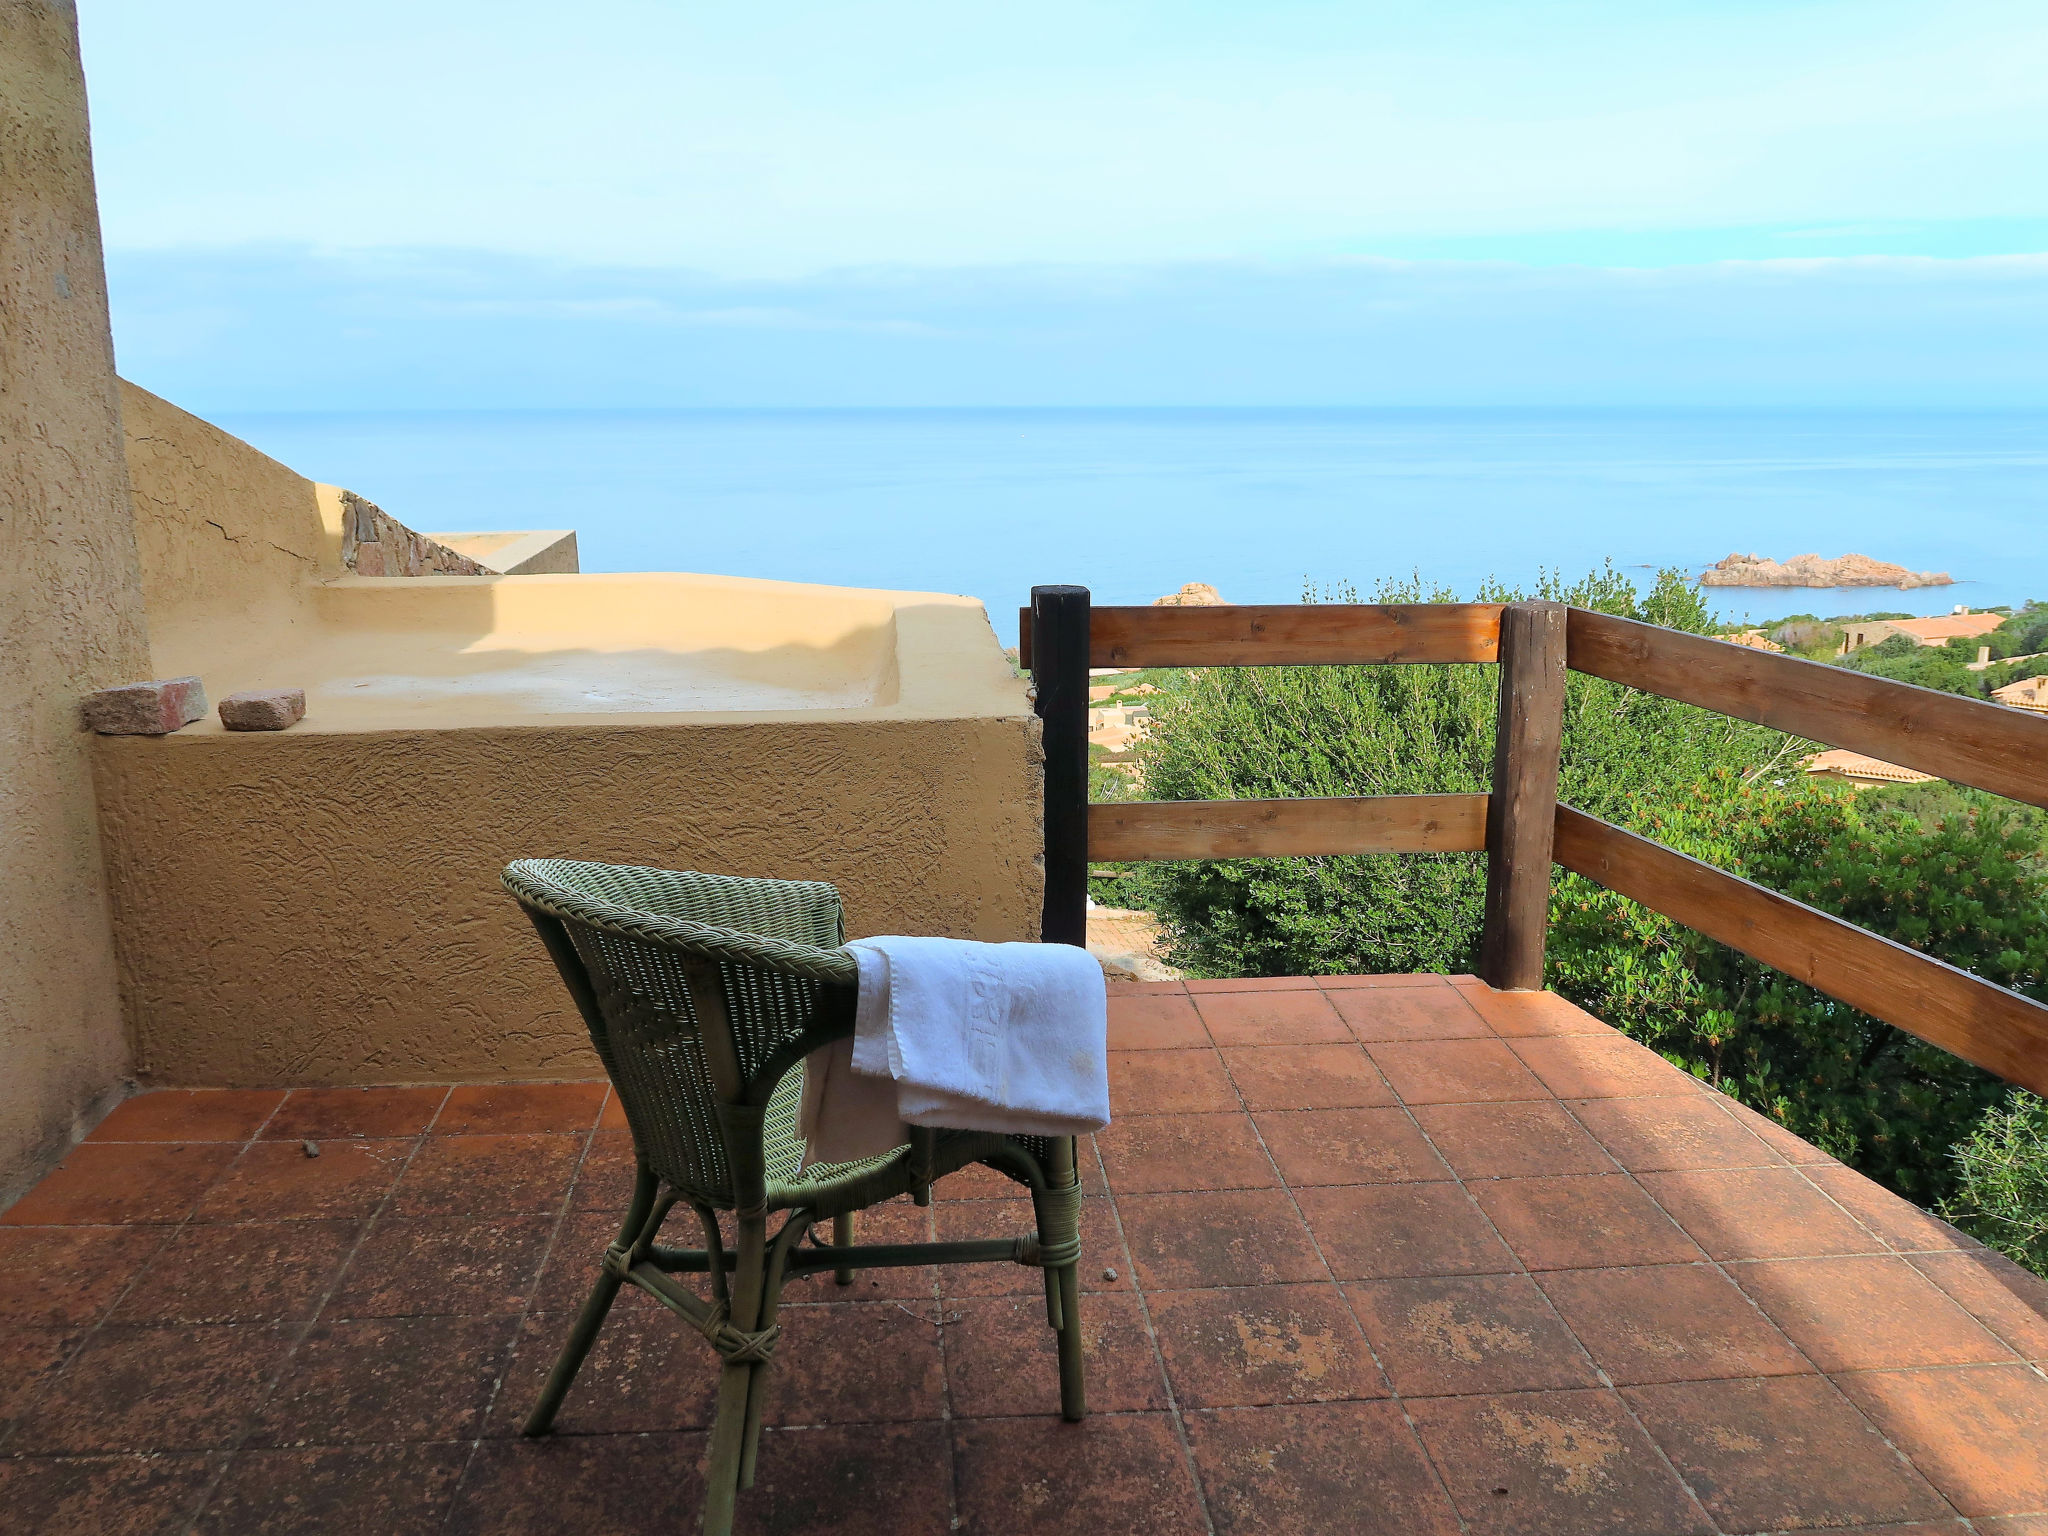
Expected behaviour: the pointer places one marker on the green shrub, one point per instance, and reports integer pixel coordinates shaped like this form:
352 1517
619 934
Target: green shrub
2001 1195
1286 732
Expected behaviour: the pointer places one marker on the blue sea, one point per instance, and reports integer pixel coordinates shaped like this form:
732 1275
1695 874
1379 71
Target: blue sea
1257 503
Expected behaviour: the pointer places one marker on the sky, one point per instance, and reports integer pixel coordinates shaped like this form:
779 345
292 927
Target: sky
440 203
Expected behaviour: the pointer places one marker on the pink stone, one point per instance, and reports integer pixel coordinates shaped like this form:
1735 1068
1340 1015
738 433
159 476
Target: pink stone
145 709
370 560
263 709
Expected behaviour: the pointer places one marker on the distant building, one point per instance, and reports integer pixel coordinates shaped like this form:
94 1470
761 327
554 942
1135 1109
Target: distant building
1755 639
1936 631
1855 768
2027 693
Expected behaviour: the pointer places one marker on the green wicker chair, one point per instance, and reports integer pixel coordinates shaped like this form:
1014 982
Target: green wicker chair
703 994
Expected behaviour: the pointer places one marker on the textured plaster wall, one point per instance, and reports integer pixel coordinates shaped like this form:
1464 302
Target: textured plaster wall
324 908
71 613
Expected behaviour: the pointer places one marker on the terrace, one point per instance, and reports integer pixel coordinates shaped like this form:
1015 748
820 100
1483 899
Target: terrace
1369 1253
1365 1253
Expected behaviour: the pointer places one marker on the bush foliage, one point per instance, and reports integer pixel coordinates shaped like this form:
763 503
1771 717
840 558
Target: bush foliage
2002 1181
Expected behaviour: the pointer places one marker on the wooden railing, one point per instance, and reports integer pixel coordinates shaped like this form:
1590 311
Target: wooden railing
1520 825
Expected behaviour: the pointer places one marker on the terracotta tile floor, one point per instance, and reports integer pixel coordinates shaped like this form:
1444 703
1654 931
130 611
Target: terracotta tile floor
1389 1254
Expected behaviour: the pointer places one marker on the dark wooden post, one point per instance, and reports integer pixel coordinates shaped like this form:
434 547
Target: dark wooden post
1059 671
1521 817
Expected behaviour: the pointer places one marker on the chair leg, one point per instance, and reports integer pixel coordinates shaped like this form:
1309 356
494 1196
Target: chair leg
842 1237
1073 1383
724 1467
1063 1288
570 1360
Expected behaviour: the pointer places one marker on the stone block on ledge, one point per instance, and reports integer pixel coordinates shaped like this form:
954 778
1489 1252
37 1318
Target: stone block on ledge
263 709
145 709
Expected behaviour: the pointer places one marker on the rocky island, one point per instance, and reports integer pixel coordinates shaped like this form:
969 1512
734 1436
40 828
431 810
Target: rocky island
1812 571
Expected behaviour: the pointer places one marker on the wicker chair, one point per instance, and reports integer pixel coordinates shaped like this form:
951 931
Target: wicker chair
703 994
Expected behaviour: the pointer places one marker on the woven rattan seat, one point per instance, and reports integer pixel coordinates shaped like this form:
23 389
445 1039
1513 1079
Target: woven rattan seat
703 994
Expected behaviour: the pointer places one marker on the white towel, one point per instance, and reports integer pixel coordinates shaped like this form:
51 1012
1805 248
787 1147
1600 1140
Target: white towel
963 1036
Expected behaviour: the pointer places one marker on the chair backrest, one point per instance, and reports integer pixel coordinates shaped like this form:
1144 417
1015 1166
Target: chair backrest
700 992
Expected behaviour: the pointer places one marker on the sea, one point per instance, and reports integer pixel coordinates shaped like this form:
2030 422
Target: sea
1261 504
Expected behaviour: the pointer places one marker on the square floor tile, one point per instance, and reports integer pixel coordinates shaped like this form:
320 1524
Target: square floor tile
486 1175
331 1114
604 1180
256 1272
1199 986
122 1183
190 1114
1781 1141
1390 1231
1317 1469
1866 1314
862 1362
1249 1345
1591 1221
1904 1227
1168 1083
1271 1018
385 1379
278 1181
2010 1301
58 1277
1781 1454
510 1109
1454 1071
1156 1022
1758 1213
1111 1472
444 1266
1409 1013
1349 1146
1161 1153
855 1480
353 1113
1528 1013
1306 1077
1513 1140
105 1495
1002 1357
1465 1334
155 1389
1607 1066
1352 983
1670 1323
1975 1431
1554 1461
649 1372
899 1221
1689 1131
591 1485
1225 1237
30 1358
391 1490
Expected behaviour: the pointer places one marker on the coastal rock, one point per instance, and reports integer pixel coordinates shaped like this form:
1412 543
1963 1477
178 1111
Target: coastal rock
267 709
1196 594
1813 571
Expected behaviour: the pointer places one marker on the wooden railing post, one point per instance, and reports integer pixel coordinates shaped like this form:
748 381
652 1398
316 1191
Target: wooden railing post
1059 672
1521 816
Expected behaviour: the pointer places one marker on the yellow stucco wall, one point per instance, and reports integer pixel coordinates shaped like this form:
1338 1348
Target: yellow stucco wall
324 908
71 613
321 905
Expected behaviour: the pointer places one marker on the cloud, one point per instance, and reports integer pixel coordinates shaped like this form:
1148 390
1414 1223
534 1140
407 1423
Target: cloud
277 327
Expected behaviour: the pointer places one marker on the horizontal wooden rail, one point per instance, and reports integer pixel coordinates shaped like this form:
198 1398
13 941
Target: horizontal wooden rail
1286 635
1233 829
1963 1014
1972 742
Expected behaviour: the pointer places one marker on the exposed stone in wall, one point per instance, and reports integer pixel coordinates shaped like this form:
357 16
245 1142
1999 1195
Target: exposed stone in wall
374 543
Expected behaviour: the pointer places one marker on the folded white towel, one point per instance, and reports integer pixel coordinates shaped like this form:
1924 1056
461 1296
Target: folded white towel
964 1036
